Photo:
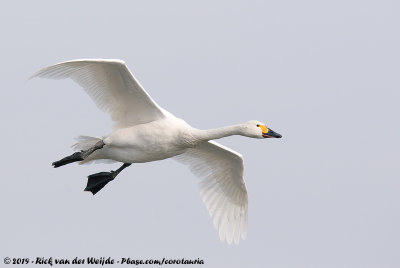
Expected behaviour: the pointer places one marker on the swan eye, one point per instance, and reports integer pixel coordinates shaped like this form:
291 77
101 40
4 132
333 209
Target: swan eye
258 125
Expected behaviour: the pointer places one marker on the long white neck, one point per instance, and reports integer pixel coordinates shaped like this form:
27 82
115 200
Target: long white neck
217 133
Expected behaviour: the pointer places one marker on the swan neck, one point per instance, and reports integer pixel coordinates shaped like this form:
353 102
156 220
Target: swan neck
217 133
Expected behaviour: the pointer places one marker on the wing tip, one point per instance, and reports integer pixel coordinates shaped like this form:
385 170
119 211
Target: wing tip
93 61
42 72
232 230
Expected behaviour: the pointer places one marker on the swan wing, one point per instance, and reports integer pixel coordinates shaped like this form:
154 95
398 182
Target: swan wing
112 87
222 187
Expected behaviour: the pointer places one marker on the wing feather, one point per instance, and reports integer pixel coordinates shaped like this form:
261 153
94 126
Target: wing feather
222 187
112 87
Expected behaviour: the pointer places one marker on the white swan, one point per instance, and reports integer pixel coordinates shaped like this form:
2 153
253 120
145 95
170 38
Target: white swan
145 132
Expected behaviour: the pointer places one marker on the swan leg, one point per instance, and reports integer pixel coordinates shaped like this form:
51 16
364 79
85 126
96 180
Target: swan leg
97 181
78 156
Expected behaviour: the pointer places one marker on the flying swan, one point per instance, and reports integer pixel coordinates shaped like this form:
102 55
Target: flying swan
144 132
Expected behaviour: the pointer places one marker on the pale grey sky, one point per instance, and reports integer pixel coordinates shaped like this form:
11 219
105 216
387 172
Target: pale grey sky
324 74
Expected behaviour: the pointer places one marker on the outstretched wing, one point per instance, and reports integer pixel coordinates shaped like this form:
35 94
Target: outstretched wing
222 187
112 87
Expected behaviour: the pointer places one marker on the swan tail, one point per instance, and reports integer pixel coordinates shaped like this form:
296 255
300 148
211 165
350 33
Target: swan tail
84 143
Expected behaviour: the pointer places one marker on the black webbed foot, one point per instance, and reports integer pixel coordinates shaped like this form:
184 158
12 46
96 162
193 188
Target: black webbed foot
97 181
78 156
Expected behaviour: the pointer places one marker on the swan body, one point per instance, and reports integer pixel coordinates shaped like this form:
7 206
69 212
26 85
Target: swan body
153 141
144 132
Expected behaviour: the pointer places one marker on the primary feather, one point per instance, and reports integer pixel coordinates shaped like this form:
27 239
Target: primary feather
112 87
222 187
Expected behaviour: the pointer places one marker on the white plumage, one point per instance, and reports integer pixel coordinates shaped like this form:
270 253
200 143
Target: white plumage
145 132
222 187
112 87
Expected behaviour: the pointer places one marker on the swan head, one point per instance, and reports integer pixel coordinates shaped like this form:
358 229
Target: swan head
257 129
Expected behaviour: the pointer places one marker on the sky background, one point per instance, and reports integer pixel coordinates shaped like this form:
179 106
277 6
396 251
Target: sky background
324 74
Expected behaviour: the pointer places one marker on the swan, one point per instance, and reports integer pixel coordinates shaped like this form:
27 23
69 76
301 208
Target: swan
144 132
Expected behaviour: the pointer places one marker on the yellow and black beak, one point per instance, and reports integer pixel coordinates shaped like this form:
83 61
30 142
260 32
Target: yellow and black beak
269 133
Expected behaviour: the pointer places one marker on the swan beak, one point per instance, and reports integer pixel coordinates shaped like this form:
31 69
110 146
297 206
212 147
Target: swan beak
269 133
